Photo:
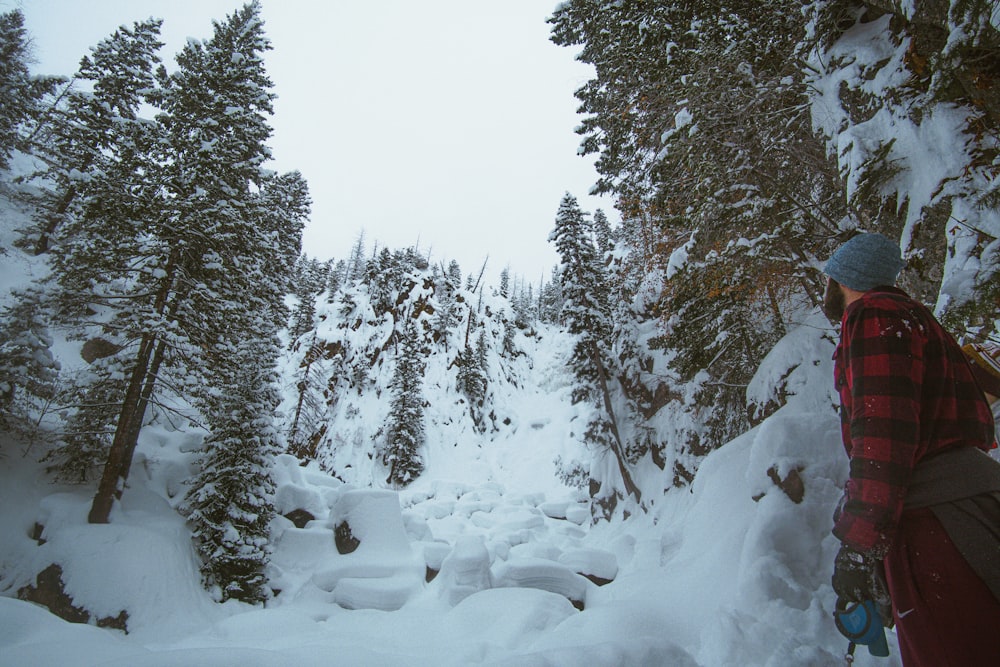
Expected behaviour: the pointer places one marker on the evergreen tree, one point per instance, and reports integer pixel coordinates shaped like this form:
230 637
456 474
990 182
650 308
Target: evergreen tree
455 274
245 280
603 236
584 287
22 93
105 185
383 276
586 311
223 240
405 433
550 298
230 505
337 279
523 305
98 132
509 347
505 282
28 369
356 263
447 313
311 279
714 157
482 354
83 448
315 384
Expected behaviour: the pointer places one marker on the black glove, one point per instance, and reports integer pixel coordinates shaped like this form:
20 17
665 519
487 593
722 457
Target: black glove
852 575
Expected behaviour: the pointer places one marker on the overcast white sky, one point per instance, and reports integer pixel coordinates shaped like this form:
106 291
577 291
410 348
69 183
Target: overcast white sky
444 121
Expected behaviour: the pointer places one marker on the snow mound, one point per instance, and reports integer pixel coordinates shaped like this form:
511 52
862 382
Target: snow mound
466 570
382 571
545 575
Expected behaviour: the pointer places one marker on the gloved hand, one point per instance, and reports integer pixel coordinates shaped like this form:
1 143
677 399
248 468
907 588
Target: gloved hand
852 575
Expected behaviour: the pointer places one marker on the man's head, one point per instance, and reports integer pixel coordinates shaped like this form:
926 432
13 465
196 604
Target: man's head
865 262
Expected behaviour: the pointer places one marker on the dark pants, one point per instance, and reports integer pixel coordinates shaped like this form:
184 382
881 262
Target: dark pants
945 615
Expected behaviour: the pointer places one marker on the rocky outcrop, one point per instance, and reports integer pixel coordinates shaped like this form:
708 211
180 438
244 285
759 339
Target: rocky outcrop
49 591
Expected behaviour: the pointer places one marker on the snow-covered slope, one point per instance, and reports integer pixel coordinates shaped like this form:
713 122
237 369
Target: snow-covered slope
713 577
487 558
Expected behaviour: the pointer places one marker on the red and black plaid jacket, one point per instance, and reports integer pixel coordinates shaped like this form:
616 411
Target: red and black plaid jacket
906 391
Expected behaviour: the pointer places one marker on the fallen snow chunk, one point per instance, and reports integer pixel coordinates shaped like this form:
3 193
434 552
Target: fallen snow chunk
435 553
291 497
416 527
303 548
384 593
466 570
591 563
513 519
515 617
578 514
438 509
554 510
543 574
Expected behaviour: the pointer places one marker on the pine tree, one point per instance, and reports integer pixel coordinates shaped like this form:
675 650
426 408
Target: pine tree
508 345
100 160
550 298
603 235
89 429
405 433
22 93
447 313
310 280
230 505
696 113
315 386
28 369
356 263
383 276
223 240
584 288
586 312
455 273
95 144
337 279
469 380
245 278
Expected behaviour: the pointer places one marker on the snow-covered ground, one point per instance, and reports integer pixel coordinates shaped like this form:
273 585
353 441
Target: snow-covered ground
710 577
728 572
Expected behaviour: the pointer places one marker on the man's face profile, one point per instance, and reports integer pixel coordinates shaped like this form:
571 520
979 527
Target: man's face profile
834 301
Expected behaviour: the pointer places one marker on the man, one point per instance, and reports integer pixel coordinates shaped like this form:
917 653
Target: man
922 498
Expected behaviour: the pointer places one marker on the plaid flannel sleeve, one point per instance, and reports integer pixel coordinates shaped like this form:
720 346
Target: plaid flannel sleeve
883 367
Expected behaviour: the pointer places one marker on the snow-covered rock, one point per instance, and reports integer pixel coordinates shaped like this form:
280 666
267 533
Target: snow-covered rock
543 574
466 570
384 571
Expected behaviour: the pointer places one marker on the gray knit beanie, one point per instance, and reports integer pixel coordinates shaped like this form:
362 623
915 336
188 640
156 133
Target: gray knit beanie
865 262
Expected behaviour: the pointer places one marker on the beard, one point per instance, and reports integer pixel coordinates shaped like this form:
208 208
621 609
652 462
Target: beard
834 301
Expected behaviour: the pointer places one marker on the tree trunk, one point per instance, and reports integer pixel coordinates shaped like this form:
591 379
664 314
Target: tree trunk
616 446
136 424
140 389
122 446
52 221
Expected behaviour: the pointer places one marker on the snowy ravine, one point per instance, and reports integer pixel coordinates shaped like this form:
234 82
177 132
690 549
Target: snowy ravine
712 577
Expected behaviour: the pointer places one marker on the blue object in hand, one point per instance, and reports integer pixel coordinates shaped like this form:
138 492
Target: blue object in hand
861 624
